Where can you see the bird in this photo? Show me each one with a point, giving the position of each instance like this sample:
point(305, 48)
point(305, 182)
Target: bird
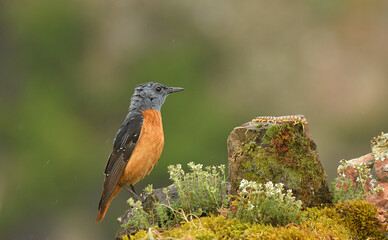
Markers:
point(138, 143)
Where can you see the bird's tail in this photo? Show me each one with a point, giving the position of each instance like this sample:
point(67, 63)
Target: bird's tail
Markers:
point(105, 202)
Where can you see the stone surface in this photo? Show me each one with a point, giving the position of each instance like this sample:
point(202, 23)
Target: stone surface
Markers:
point(377, 162)
point(381, 170)
point(380, 199)
point(281, 152)
point(350, 171)
point(378, 173)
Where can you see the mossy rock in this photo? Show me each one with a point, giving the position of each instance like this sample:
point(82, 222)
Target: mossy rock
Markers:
point(279, 152)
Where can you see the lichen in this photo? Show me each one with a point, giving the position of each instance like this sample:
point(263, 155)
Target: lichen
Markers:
point(380, 146)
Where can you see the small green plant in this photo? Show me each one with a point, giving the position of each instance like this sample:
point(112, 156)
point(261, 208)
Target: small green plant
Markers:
point(140, 219)
point(344, 189)
point(266, 203)
point(201, 192)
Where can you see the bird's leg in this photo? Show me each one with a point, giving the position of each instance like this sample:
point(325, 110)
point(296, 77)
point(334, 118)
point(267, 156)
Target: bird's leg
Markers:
point(132, 191)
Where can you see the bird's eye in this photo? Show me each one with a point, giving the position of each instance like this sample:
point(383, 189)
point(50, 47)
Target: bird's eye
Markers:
point(158, 89)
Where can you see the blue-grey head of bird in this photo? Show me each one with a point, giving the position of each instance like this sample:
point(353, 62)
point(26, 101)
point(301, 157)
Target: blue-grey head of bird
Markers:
point(150, 95)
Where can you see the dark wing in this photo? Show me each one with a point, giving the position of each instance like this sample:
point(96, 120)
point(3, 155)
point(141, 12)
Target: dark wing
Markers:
point(124, 143)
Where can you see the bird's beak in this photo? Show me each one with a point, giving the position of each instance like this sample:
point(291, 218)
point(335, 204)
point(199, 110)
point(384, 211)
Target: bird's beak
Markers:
point(174, 89)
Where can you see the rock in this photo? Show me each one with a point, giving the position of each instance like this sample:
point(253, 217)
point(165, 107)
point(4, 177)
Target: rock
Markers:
point(350, 170)
point(281, 152)
point(377, 163)
point(380, 199)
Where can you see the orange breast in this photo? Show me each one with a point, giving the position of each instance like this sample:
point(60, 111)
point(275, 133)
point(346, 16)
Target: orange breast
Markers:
point(148, 148)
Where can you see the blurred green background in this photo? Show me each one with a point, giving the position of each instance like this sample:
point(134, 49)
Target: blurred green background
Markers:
point(68, 69)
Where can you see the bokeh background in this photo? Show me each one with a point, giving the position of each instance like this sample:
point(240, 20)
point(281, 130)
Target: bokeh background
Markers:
point(68, 69)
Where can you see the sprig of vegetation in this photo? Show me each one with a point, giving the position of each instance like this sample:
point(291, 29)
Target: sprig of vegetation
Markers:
point(140, 218)
point(266, 203)
point(201, 192)
point(344, 189)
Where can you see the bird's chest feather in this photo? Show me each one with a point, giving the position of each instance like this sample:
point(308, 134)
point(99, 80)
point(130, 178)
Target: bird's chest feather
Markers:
point(148, 148)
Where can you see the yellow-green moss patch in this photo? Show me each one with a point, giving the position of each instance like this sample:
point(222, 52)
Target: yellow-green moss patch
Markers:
point(350, 220)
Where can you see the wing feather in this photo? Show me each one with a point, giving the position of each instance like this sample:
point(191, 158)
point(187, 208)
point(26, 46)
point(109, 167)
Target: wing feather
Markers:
point(124, 143)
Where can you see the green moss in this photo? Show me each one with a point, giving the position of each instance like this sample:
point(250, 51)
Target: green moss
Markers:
point(358, 218)
point(350, 220)
point(222, 228)
point(270, 133)
point(140, 235)
point(361, 218)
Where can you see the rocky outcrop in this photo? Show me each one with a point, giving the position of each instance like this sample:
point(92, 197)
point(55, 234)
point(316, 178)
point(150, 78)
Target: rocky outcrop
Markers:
point(281, 152)
point(377, 163)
